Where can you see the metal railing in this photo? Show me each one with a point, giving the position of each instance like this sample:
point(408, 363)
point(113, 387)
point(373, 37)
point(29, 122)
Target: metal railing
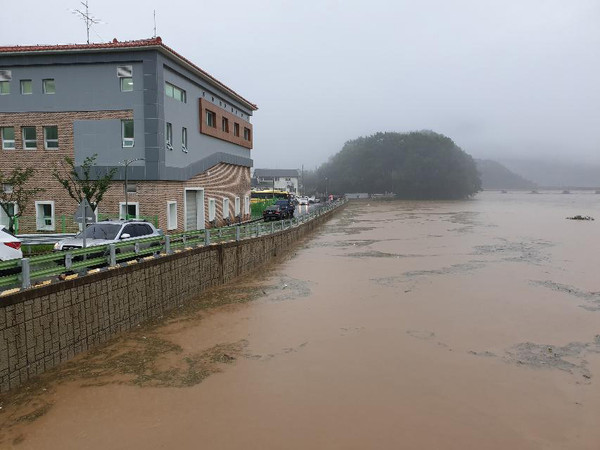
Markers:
point(50, 267)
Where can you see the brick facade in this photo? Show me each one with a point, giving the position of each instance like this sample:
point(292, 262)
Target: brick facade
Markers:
point(217, 130)
point(220, 181)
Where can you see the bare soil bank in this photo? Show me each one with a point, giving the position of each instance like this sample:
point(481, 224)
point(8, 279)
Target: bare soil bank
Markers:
point(418, 325)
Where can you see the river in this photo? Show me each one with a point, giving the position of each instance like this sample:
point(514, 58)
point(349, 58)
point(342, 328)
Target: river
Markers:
point(414, 325)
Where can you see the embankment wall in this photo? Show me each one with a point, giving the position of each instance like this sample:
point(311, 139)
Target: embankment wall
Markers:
point(43, 327)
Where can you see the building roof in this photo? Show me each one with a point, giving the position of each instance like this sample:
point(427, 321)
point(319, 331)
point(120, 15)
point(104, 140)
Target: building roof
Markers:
point(262, 173)
point(115, 46)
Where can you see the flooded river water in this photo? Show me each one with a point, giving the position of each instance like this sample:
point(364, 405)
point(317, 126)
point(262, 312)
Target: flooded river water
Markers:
point(398, 325)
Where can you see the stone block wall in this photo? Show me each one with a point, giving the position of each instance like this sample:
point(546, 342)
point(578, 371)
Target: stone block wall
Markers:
point(42, 327)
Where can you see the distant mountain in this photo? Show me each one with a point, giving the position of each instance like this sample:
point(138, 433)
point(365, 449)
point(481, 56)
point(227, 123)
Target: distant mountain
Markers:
point(556, 174)
point(495, 176)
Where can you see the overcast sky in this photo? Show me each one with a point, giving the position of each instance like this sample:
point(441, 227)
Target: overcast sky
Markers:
point(501, 78)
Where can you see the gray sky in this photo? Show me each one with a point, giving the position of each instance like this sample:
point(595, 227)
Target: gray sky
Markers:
point(501, 78)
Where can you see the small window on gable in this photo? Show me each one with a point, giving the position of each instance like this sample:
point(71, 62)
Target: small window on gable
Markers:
point(48, 86)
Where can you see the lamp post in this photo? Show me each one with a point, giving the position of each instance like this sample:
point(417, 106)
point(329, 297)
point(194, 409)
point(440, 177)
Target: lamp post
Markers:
point(326, 191)
point(126, 163)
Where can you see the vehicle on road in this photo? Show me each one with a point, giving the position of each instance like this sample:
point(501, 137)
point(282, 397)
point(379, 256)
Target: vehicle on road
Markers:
point(272, 212)
point(112, 232)
point(10, 248)
point(287, 208)
point(303, 200)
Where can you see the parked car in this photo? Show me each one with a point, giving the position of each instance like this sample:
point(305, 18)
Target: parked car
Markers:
point(287, 208)
point(112, 232)
point(272, 212)
point(303, 200)
point(10, 248)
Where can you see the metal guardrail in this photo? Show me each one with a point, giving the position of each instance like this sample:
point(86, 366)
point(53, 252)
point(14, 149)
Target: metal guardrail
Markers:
point(57, 266)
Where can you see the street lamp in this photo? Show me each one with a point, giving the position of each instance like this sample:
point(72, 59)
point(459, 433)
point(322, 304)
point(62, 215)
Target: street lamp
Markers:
point(326, 192)
point(126, 163)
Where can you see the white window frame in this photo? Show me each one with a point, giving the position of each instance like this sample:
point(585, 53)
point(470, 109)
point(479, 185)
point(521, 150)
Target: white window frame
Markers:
point(127, 142)
point(22, 84)
point(4, 217)
point(184, 139)
point(46, 140)
point(226, 212)
point(40, 222)
point(236, 207)
point(211, 119)
point(212, 209)
point(122, 211)
point(169, 136)
point(45, 84)
point(6, 142)
point(126, 84)
point(5, 83)
point(246, 205)
point(25, 141)
point(174, 92)
point(171, 219)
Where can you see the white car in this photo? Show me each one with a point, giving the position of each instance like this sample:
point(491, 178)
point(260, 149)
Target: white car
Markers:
point(303, 200)
point(10, 246)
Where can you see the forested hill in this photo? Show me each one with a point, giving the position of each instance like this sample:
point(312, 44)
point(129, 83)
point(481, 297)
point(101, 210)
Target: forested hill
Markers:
point(416, 165)
point(495, 176)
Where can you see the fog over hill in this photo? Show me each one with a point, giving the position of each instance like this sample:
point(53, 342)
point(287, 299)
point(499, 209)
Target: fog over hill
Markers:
point(495, 176)
point(555, 173)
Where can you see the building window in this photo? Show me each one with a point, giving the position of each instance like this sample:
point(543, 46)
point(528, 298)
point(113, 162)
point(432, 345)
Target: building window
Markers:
point(48, 86)
point(44, 215)
point(8, 138)
point(236, 129)
point(26, 87)
point(131, 188)
point(225, 125)
point(246, 205)
point(125, 75)
point(133, 209)
point(50, 138)
point(236, 207)
point(12, 210)
point(127, 133)
point(5, 77)
point(171, 215)
point(126, 84)
point(174, 92)
point(247, 133)
point(29, 138)
point(225, 208)
point(211, 119)
point(169, 136)
point(184, 139)
point(212, 209)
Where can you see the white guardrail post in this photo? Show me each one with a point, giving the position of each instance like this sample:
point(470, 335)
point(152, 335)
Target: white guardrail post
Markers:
point(206, 237)
point(168, 250)
point(112, 256)
point(237, 232)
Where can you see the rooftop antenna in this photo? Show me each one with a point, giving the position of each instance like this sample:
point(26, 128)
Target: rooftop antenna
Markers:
point(154, 23)
point(87, 18)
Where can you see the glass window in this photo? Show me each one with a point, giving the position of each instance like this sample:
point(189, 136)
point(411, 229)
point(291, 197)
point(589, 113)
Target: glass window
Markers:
point(247, 133)
point(8, 138)
point(26, 87)
point(127, 133)
point(126, 84)
point(171, 215)
point(48, 86)
point(225, 208)
point(212, 209)
point(225, 125)
point(44, 215)
point(169, 136)
point(237, 206)
point(236, 129)
point(29, 138)
point(175, 92)
point(169, 90)
point(12, 210)
point(132, 210)
point(184, 139)
point(246, 205)
point(4, 87)
point(50, 138)
point(211, 119)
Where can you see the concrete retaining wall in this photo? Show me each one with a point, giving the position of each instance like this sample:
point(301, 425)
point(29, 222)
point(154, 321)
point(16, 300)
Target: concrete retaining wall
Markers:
point(42, 327)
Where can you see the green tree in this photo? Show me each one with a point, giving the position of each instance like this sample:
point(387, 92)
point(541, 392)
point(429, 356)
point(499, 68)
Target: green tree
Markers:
point(15, 195)
point(81, 183)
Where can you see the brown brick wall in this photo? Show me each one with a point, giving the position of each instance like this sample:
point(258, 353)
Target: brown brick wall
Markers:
point(217, 130)
point(222, 180)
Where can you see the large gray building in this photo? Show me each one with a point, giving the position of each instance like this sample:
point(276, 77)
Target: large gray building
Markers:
point(189, 133)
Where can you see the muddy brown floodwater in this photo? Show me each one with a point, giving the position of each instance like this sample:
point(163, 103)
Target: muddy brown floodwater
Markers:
point(413, 325)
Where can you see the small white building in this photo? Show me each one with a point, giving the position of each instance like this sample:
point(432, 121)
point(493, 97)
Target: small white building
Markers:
point(284, 179)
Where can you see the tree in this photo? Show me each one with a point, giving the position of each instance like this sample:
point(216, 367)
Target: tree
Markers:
point(79, 182)
point(14, 195)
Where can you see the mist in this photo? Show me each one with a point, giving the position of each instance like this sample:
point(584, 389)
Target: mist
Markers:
point(504, 80)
